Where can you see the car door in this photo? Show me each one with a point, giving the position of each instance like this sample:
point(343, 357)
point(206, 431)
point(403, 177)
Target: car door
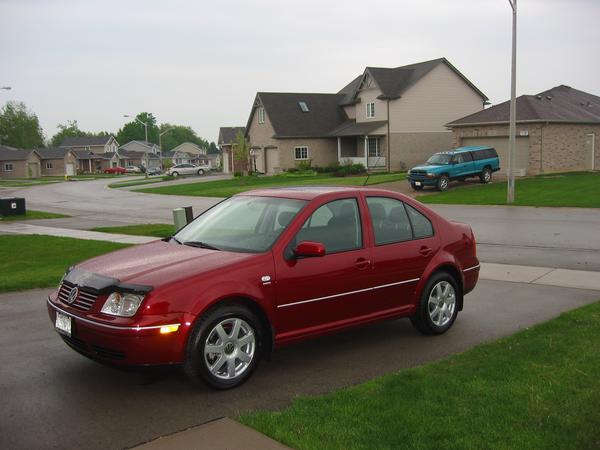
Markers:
point(322, 292)
point(462, 164)
point(404, 244)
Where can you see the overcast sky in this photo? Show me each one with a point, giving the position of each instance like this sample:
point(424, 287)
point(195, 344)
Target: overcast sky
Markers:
point(200, 63)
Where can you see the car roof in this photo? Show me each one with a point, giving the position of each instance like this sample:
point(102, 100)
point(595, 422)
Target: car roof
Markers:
point(469, 148)
point(308, 192)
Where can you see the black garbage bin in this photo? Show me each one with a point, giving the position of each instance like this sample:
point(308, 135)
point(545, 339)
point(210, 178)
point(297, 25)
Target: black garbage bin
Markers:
point(12, 206)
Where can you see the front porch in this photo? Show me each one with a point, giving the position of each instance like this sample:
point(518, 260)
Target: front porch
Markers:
point(365, 150)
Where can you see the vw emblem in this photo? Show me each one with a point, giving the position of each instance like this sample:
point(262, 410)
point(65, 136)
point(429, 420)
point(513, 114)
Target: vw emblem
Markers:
point(73, 295)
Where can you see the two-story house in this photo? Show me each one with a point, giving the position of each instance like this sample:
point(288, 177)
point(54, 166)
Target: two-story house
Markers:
point(385, 118)
point(94, 144)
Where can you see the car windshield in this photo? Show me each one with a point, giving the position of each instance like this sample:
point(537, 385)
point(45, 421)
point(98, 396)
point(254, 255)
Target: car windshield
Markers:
point(439, 158)
point(241, 224)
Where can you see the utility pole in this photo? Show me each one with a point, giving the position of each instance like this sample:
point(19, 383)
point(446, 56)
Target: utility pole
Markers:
point(512, 131)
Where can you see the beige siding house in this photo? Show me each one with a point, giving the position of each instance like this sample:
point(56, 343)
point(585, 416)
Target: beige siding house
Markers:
point(93, 144)
point(17, 163)
point(386, 118)
point(557, 131)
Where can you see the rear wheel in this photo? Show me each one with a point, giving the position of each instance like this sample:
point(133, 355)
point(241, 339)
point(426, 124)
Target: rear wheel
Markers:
point(438, 307)
point(175, 174)
point(200, 172)
point(224, 347)
point(442, 183)
point(486, 175)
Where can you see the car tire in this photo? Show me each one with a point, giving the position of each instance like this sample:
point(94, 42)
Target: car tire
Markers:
point(223, 369)
point(486, 175)
point(442, 183)
point(438, 305)
point(200, 172)
point(416, 188)
point(175, 174)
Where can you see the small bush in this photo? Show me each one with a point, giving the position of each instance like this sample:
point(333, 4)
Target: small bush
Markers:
point(304, 166)
point(237, 174)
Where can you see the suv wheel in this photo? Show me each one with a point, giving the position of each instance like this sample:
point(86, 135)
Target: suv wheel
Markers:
point(443, 182)
point(224, 348)
point(438, 307)
point(200, 172)
point(486, 175)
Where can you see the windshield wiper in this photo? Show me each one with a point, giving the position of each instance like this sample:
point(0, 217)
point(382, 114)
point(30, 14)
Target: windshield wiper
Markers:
point(176, 240)
point(200, 245)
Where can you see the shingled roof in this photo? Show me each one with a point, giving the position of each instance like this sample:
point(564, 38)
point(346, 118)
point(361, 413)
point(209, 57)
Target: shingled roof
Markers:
point(53, 152)
point(14, 154)
point(227, 134)
point(393, 82)
point(559, 104)
point(289, 120)
point(85, 141)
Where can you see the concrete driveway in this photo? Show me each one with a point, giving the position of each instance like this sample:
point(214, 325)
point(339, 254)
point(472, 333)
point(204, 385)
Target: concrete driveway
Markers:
point(55, 398)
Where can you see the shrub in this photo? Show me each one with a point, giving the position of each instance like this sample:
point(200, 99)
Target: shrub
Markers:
point(304, 166)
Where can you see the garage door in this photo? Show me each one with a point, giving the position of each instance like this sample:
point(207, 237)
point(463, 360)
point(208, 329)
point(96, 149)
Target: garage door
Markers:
point(272, 161)
point(501, 146)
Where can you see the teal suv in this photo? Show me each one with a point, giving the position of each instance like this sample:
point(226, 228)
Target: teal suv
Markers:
point(457, 164)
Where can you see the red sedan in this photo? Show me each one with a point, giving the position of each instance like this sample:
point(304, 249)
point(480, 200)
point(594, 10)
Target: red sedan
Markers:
point(263, 269)
point(116, 169)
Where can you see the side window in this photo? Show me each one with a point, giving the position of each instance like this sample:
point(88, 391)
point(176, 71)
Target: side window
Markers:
point(421, 225)
point(389, 219)
point(336, 225)
point(467, 156)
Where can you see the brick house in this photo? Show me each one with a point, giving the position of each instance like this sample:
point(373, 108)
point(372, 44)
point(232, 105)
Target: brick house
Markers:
point(57, 161)
point(226, 141)
point(557, 131)
point(385, 118)
point(18, 163)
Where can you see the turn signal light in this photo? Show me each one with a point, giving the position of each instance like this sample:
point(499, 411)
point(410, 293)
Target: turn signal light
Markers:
point(169, 329)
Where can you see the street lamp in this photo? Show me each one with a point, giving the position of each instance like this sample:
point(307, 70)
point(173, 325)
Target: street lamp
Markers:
point(512, 129)
point(143, 123)
point(160, 145)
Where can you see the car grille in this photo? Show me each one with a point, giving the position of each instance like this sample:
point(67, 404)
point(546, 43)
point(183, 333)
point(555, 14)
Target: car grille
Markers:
point(94, 351)
point(85, 298)
point(418, 175)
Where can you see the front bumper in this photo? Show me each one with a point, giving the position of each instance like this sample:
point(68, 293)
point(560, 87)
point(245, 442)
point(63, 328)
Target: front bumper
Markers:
point(423, 181)
point(123, 345)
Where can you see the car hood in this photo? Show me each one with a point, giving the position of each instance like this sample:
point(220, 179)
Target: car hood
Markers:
point(159, 263)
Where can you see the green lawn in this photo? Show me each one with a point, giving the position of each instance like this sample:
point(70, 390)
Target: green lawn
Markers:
point(120, 184)
point(31, 215)
point(539, 389)
point(580, 189)
point(227, 188)
point(24, 182)
point(152, 229)
point(36, 261)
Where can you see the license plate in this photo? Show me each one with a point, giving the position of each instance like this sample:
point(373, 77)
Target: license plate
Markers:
point(63, 323)
point(417, 183)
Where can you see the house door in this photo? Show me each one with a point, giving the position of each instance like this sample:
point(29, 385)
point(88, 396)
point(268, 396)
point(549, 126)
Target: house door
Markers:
point(69, 169)
point(271, 160)
point(33, 170)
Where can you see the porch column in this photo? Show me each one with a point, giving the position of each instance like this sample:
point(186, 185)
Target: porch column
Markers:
point(339, 149)
point(367, 152)
point(90, 164)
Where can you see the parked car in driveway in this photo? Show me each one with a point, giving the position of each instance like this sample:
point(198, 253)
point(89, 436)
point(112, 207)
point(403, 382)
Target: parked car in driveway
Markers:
point(458, 164)
point(263, 269)
point(133, 169)
point(187, 169)
point(154, 171)
point(117, 169)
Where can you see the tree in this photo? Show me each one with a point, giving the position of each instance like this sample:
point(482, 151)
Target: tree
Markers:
point(19, 127)
point(178, 134)
point(213, 149)
point(69, 129)
point(135, 131)
point(241, 153)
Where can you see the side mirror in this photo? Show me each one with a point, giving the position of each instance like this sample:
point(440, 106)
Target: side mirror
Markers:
point(309, 249)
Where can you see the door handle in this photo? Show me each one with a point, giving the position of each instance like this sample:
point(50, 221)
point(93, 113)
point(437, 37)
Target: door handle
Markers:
point(362, 263)
point(425, 251)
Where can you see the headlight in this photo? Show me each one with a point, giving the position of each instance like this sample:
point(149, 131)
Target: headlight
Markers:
point(430, 175)
point(123, 305)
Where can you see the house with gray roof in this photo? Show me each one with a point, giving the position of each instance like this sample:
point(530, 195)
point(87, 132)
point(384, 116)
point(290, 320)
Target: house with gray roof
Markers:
point(225, 142)
point(57, 161)
point(93, 144)
point(19, 163)
point(385, 118)
point(557, 130)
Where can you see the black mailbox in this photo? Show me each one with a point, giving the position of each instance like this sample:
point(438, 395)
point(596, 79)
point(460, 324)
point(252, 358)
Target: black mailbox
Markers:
point(12, 206)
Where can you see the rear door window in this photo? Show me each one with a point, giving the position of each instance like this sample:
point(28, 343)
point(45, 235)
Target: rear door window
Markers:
point(420, 224)
point(389, 219)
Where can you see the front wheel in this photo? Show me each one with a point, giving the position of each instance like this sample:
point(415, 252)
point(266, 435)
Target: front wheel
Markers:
point(438, 307)
point(175, 174)
point(224, 348)
point(200, 172)
point(443, 182)
point(486, 175)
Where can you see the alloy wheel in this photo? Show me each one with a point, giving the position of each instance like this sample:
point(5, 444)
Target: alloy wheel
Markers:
point(229, 348)
point(441, 303)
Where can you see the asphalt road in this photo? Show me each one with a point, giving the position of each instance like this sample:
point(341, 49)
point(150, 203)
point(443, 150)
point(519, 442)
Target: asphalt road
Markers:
point(54, 398)
point(558, 237)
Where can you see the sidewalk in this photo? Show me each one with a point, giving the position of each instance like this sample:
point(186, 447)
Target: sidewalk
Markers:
point(220, 434)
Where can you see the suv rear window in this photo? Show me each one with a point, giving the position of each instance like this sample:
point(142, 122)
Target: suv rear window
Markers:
point(486, 153)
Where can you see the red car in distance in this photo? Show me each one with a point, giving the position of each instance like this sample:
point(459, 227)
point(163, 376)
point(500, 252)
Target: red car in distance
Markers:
point(116, 169)
point(267, 268)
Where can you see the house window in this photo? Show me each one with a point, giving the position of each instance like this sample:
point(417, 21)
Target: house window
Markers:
point(370, 110)
point(301, 152)
point(261, 115)
point(303, 106)
point(8, 167)
point(49, 165)
point(373, 146)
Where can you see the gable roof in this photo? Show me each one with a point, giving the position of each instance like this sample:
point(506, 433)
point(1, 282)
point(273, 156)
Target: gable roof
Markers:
point(84, 141)
point(393, 82)
point(227, 134)
point(14, 154)
point(149, 145)
point(559, 104)
point(53, 152)
point(197, 147)
point(288, 119)
point(86, 154)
